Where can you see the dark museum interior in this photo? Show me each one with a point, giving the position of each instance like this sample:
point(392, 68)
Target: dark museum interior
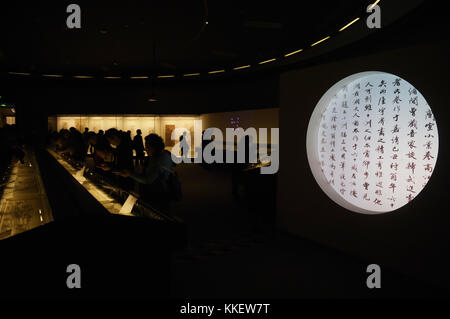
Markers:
point(112, 185)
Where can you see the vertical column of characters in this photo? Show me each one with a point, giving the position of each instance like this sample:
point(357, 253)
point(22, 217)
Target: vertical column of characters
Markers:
point(323, 141)
point(411, 155)
point(355, 121)
point(332, 156)
point(343, 136)
point(328, 144)
point(395, 141)
point(430, 143)
point(325, 144)
point(379, 147)
point(367, 119)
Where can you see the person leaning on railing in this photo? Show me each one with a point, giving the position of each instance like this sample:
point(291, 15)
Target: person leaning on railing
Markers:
point(156, 173)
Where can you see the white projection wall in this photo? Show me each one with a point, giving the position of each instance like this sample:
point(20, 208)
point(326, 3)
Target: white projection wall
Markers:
point(372, 142)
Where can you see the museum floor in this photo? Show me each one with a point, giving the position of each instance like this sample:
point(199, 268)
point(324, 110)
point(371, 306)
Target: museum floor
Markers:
point(227, 259)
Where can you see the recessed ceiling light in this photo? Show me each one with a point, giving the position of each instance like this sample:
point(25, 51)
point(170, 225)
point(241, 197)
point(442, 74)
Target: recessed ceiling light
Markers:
point(374, 4)
point(267, 61)
point(191, 74)
point(242, 67)
point(19, 73)
point(52, 75)
point(326, 38)
point(292, 53)
point(216, 71)
point(347, 25)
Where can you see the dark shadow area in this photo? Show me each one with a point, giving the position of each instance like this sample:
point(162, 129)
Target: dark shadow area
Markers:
point(234, 253)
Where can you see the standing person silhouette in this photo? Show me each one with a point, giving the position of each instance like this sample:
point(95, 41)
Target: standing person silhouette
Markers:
point(121, 145)
point(184, 145)
point(138, 146)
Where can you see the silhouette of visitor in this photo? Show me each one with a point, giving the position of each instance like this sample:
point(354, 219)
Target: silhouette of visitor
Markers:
point(138, 146)
point(184, 145)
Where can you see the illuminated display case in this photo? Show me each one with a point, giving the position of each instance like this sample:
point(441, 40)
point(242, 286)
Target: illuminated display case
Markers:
point(112, 197)
point(23, 199)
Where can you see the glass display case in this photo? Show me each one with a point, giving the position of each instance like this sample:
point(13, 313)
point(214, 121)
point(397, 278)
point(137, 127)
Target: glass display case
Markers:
point(114, 198)
point(23, 199)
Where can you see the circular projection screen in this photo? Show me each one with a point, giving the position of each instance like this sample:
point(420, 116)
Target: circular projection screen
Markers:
point(372, 142)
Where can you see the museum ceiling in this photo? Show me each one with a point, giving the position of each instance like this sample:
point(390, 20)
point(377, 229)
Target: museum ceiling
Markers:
point(153, 39)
